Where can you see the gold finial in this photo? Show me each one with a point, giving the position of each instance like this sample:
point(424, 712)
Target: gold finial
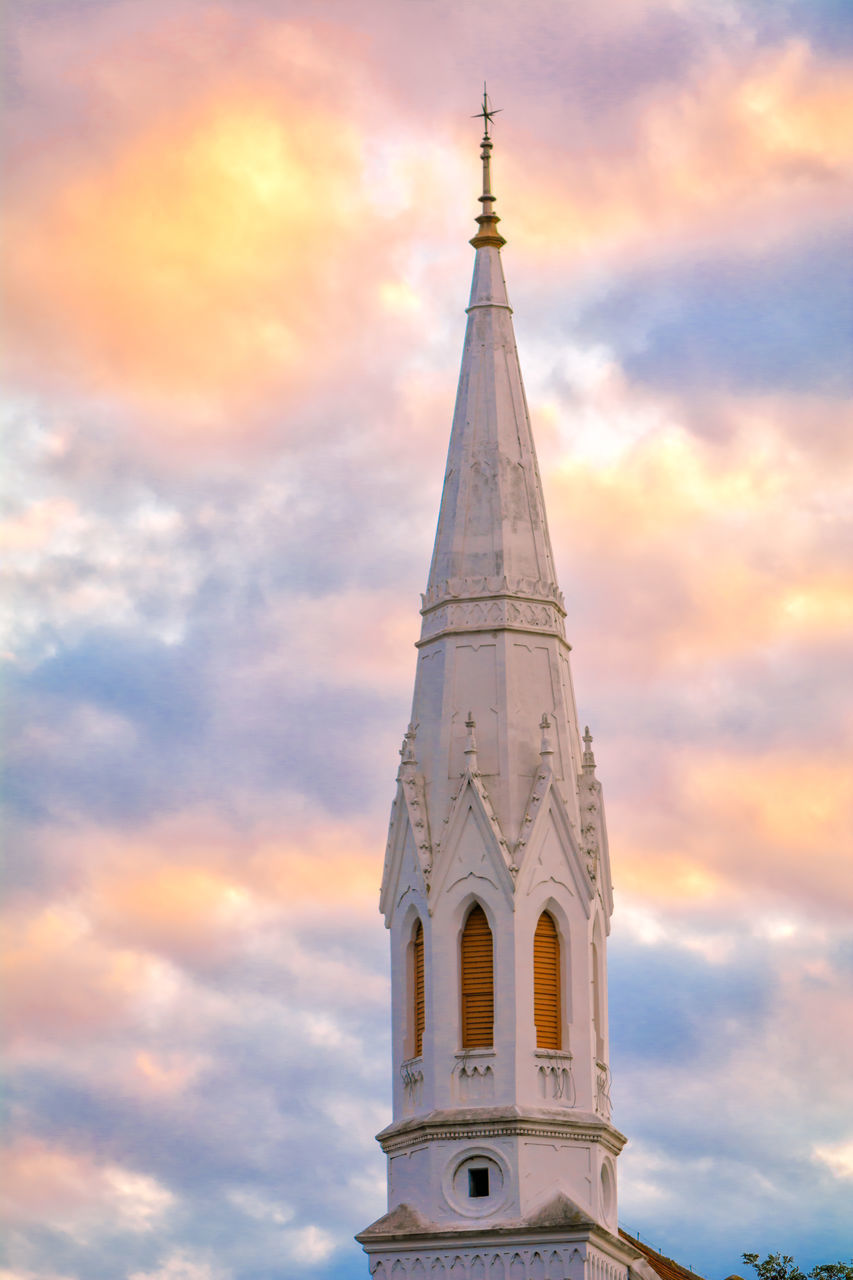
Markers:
point(488, 219)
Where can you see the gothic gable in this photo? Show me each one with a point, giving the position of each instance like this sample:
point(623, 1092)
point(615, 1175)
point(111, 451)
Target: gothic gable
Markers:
point(473, 846)
point(404, 860)
point(551, 854)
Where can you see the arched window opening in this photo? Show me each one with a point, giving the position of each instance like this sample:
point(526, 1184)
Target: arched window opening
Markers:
point(418, 1003)
point(547, 1005)
point(598, 994)
point(477, 982)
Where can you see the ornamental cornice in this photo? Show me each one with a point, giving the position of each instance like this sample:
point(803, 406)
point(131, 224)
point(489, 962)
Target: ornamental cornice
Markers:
point(443, 1128)
point(489, 613)
point(485, 588)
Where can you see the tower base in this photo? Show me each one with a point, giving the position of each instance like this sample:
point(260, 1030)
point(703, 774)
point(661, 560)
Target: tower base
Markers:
point(559, 1243)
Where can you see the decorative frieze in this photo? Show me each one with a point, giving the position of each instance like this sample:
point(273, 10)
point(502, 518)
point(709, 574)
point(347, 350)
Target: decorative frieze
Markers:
point(551, 1261)
point(511, 1263)
point(492, 614)
point(484, 588)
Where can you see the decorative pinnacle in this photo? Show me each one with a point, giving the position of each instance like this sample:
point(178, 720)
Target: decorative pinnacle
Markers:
point(407, 751)
point(547, 747)
point(588, 757)
point(488, 235)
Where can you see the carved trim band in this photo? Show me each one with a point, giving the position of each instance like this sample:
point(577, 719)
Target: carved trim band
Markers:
point(491, 614)
point(487, 587)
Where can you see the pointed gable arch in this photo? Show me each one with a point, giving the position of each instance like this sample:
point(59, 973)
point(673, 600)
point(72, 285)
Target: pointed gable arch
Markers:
point(404, 868)
point(473, 847)
point(476, 981)
point(550, 856)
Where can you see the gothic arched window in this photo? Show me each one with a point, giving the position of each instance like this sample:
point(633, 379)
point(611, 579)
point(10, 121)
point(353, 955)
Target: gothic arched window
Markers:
point(477, 982)
point(598, 1011)
point(417, 1003)
point(547, 1005)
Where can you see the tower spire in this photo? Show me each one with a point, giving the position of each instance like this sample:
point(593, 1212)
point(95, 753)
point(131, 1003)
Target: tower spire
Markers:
point(488, 219)
point(496, 887)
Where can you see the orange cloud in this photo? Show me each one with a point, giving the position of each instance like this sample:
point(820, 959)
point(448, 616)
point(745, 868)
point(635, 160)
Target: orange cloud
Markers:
point(713, 157)
point(73, 1192)
point(168, 1073)
point(61, 981)
point(183, 910)
point(723, 823)
point(713, 550)
point(201, 261)
point(35, 528)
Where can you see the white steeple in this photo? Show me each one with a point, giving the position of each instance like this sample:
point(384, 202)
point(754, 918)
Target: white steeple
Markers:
point(496, 888)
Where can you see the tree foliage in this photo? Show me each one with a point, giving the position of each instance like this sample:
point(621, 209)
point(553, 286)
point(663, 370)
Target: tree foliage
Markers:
point(777, 1266)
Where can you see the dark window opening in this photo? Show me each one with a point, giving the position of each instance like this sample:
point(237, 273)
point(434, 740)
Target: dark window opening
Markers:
point(478, 1183)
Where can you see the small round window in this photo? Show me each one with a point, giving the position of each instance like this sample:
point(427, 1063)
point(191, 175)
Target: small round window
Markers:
point(475, 1186)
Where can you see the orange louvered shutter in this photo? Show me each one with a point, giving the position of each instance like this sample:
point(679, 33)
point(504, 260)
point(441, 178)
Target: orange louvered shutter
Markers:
point(419, 1005)
point(478, 1002)
point(546, 984)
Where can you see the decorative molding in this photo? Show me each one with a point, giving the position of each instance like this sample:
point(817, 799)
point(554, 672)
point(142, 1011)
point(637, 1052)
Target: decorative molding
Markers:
point(487, 587)
point(491, 614)
point(567, 1127)
point(589, 795)
point(556, 1080)
point(473, 1076)
point(602, 1089)
point(414, 791)
point(538, 791)
point(550, 1260)
point(589, 789)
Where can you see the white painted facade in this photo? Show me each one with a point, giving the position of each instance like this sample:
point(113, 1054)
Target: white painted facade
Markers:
point(497, 804)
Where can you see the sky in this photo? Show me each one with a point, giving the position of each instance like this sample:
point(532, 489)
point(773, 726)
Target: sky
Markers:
point(236, 268)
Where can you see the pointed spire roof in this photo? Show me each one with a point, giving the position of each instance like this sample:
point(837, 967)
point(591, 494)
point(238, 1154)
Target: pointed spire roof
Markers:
point(492, 540)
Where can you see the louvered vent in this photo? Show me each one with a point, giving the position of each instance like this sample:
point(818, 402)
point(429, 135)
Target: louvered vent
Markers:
point(419, 1005)
point(546, 984)
point(478, 1002)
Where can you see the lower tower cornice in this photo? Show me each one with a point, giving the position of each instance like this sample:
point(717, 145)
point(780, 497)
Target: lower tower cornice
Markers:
point(469, 1124)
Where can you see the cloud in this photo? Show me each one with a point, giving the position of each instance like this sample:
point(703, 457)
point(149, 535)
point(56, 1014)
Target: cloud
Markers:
point(99, 987)
point(742, 150)
point(777, 320)
point(668, 1005)
point(77, 1194)
point(177, 272)
point(838, 1157)
point(183, 1266)
point(237, 277)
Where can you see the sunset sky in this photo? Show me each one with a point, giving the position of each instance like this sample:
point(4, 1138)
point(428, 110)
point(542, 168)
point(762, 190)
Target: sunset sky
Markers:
point(235, 279)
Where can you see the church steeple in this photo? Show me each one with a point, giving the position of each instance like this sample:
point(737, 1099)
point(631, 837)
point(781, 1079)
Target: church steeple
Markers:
point(496, 887)
point(492, 540)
